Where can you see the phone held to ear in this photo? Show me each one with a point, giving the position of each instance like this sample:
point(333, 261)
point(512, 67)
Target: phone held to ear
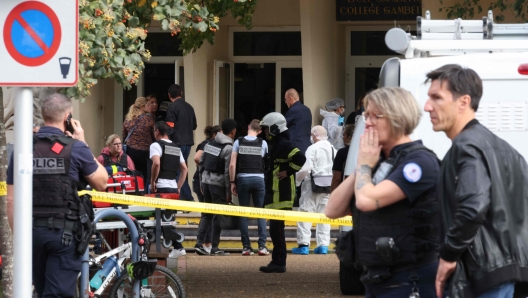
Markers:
point(69, 126)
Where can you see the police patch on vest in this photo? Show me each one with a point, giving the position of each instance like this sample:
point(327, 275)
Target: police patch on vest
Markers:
point(412, 172)
point(172, 150)
point(43, 165)
point(249, 150)
point(212, 150)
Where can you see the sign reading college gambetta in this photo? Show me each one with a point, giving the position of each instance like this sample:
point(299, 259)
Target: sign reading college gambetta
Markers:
point(378, 10)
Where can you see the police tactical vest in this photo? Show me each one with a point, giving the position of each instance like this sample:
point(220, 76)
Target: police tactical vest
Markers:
point(250, 159)
point(54, 192)
point(413, 227)
point(213, 163)
point(170, 160)
point(121, 165)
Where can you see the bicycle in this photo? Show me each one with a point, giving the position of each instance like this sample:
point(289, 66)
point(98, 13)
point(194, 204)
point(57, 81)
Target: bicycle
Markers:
point(152, 280)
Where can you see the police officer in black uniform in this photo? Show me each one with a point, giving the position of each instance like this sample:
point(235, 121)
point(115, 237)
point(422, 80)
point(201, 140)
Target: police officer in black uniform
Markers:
point(393, 199)
point(62, 165)
point(215, 177)
point(246, 173)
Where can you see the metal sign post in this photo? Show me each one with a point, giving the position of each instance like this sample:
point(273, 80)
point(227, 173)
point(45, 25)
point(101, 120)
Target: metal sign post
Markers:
point(39, 46)
point(23, 179)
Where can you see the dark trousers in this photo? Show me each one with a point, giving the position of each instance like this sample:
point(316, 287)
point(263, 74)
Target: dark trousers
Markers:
point(248, 187)
point(55, 266)
point(217, 195)
point(276, 230)
point(185, 190)
point(140, 159)
point(176, 244)
point(400, 286)
point(204, 233)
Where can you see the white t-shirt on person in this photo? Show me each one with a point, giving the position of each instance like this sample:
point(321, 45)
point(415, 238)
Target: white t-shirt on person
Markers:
point(155, 149)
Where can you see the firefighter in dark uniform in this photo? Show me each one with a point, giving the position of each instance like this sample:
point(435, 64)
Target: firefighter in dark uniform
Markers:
point(393, 199)
point(62, 165)
point(285, 161)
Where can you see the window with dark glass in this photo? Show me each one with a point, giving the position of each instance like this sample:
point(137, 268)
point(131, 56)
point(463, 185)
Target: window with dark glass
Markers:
point(370, 43)
point(267, 43)
point(163, 44)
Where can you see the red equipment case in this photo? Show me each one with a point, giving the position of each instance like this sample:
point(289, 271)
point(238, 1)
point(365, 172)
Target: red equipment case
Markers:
point(170, 196)
point(132, 183)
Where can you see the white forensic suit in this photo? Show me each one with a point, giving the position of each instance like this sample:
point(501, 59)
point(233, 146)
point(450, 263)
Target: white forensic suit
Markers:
point(319, 161)
point(333, 129)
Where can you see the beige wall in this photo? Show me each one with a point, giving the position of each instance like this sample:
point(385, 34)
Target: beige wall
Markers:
point(199, 70)
point(96, 114)
point(323, 49)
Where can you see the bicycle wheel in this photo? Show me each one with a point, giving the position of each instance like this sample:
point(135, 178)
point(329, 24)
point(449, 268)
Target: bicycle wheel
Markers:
point(163, 283)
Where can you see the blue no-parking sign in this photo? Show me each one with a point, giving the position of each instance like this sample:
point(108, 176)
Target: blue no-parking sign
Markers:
point(39, 43)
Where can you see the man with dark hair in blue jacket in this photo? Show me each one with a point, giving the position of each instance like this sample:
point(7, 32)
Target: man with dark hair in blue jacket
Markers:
point(298, 120)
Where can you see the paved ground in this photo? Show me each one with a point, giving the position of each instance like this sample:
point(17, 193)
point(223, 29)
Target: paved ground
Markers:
point(238, 276)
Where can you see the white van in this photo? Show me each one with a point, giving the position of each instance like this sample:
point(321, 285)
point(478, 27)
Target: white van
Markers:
point(500, 57)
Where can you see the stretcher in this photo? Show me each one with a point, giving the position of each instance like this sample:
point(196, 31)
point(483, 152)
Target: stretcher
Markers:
point(125, 183)
point(159, 223)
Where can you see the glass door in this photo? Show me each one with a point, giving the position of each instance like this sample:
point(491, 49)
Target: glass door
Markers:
point(223, 91)
point(288, 75)
point(362, 77)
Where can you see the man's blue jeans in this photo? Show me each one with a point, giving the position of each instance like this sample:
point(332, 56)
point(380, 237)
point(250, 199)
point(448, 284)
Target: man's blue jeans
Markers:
point(504, 290)
point(185, 190)
point(247, 187)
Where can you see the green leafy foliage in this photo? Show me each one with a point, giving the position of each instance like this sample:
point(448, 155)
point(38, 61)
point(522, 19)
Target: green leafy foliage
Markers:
point(112, 34)
point(468, 9)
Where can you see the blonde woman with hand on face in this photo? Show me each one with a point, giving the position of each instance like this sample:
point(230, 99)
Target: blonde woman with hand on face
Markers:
point(392, 196)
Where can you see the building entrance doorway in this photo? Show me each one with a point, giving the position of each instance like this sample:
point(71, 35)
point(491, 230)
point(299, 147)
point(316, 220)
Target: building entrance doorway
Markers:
point(363, 77)
point(156, 79)
point(257, 89)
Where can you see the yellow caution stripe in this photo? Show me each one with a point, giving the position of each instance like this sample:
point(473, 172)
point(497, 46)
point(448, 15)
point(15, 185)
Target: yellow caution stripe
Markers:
point(216, 208)
point(3, 188)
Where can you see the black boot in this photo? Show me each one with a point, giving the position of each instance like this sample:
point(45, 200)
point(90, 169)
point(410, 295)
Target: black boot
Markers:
point(271, 268)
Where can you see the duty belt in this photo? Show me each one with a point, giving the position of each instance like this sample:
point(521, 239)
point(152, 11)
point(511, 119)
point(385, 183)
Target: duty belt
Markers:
point(69, 226)
point(50, 222)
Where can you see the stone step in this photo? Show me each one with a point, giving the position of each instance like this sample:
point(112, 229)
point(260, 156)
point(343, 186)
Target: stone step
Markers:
point(192, 230)
point(193, 218)
point(234, 243)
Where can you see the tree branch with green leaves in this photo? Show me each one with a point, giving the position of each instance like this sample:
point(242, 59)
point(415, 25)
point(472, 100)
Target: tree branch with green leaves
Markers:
point(467, 9)
point(112, 34)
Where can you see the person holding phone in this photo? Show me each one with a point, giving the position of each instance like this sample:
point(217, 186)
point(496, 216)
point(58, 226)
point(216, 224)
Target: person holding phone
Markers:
point(62, 165)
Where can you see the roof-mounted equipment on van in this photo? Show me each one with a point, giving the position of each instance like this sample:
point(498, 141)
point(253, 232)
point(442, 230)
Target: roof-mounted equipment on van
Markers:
point(459, 37)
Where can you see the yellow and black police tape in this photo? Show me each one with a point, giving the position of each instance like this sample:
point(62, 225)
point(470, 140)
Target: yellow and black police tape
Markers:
point(208, 208)
point(216, 208)
point(3, 188)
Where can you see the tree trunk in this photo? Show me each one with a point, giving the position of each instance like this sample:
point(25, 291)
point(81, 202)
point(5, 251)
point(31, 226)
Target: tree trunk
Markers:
point(6, 235)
